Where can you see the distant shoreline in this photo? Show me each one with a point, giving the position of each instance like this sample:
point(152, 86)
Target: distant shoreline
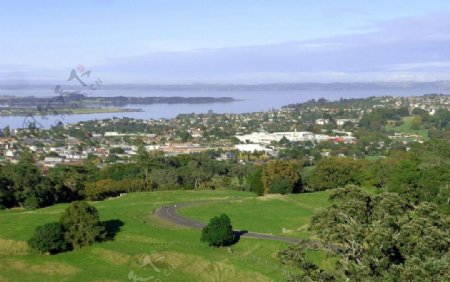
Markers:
point(441, 86)
point(80, 111)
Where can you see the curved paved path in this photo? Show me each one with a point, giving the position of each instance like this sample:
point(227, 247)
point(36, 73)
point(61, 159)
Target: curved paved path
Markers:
point(169, 213)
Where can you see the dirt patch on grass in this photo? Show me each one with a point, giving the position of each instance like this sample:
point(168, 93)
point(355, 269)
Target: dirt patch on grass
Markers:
point(49, 268)
point(13, 247)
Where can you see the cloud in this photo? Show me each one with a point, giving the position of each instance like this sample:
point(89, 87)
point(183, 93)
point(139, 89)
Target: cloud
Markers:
point(22, 74)
point(402, 49)
point(396, 49)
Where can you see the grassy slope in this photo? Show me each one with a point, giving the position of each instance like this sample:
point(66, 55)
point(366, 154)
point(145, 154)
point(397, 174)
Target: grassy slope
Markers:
point(176, 252)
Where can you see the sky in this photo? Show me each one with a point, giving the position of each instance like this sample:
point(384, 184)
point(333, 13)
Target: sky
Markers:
point(215, 41)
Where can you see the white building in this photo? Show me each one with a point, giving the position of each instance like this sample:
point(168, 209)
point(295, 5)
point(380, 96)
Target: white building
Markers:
point(251, 148)
point(111, 134)
point(267, 138)
point(321, 121)
point(342, 121)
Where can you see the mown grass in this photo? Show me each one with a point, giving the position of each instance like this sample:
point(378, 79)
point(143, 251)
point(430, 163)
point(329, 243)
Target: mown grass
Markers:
point(407, 128)
point(176, 254)
point(273, 214)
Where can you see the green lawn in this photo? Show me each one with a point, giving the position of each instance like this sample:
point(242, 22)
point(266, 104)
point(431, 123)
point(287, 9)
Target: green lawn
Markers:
point(406, 128)
point(145, 247)
point(275, 214)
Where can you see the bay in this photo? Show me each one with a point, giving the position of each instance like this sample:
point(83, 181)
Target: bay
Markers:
point(246, 101)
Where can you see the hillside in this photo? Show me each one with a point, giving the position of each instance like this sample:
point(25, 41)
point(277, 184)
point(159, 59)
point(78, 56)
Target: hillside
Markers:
point(176, 253)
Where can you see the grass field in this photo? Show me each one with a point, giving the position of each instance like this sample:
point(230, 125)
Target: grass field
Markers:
point(147, 248)
point(406, 128)
point(275, 214)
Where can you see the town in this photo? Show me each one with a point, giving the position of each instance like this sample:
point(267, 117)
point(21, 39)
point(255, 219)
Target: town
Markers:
point(313, 124)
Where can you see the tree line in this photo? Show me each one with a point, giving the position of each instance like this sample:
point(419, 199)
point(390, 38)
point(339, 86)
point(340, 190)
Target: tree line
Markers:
point(420, 174)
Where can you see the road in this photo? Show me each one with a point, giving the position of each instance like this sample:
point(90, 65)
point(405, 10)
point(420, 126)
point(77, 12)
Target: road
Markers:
point(169, 213)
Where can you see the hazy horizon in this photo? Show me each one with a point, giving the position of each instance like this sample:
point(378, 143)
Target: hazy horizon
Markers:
point(233, 42)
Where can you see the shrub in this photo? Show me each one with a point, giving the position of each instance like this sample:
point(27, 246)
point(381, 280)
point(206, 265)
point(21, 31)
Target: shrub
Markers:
point(281, 185)
point(219, 232)
point(49, 238)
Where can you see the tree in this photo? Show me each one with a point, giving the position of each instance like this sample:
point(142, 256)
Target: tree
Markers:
point(26, 177)
point(383, 237)
point(165, 179)
point(82, 224)
point(284, 141)
point(116, 150)
point(286, 170)
point(143, 161)
point(67, 182)
point(281, 185)
point(255, 182)
point(331, 173)
point(185, 136)
point(7, 131)
point(219, 232)
point(296, 256)
point(6, 192)
point(49, 238)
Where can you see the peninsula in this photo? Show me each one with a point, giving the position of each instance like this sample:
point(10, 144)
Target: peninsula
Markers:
point(75, 103)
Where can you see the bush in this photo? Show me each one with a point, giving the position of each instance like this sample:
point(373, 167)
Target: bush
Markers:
point(49, 238)
point(32, 202)
point(82, 224)
point(281, 185)
point(219, 232)
point(254, 181)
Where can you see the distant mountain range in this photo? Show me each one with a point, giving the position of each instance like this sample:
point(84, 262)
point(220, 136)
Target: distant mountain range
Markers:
point(437, 85)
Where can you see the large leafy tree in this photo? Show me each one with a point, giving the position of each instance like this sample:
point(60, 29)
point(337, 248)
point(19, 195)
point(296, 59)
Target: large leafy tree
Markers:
point(335, 172)
point(384, 237)
point(283, 176)
point(82, 224)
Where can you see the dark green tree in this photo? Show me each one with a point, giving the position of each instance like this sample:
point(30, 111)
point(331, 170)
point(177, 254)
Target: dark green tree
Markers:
point(82, 224)
point(383, 237)
point(7, 199)
point(219, 232)
point(27, 187)
point(335, 172)
point(254, 180)
point(49, 238)
point(281, 185)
